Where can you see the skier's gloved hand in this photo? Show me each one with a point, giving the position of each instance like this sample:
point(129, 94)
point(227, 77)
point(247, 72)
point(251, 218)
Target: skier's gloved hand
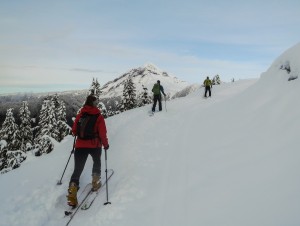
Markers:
point(106, 148)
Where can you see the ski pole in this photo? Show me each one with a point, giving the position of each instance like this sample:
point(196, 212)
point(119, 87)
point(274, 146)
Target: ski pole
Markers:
point(166, 103)
point(59, 182)
point(107, 202)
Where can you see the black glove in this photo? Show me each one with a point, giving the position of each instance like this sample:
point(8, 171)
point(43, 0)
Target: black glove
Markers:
point(106, 148)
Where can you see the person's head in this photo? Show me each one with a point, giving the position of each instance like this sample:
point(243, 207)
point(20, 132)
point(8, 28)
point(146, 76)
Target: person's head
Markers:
point(158, 81)
point(207, 77)
point(91, 100)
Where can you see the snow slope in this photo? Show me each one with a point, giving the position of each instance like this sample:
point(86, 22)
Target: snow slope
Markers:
point(229, 160)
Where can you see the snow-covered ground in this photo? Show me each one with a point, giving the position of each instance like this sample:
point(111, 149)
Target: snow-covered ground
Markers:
point(229, 160)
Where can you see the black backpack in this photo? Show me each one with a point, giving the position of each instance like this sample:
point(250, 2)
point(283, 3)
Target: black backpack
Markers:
point(86, 125)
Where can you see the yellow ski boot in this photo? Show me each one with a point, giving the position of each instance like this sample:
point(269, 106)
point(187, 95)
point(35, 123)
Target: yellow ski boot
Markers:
point(72, 195)
point(96, 183)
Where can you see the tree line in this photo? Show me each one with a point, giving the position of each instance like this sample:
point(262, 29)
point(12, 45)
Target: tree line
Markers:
point(16, 140)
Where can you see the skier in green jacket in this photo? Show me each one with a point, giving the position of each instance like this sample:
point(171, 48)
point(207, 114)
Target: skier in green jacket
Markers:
point(157, 90)
point(208, 85)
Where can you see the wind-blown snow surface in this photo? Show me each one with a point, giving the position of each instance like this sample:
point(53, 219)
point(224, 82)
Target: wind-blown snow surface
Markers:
point(229, 160)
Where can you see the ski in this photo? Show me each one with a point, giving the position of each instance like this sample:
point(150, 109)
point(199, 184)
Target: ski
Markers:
point(91, 198)
point(83, 197)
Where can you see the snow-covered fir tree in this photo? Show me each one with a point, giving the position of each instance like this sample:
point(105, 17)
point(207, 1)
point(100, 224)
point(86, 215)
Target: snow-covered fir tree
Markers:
point(3, 155)
point(60, 114)
point(10, 131)
point(112, 107)
point(47, 120)
point(216, 80)
point(47, 128)
point(110, 111)
point(119, 107)
point(129, 95)
point(103, 109)
point(10, 160)
point(95, 88)
point(96, 91)
point(10, 143)
point(25, 127)
point(144, 98)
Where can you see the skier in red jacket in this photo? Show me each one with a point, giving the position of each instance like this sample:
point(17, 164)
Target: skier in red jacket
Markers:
point(85, 147)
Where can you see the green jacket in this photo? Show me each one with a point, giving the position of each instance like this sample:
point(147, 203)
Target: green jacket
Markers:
point(157, 88)
point(207, 82)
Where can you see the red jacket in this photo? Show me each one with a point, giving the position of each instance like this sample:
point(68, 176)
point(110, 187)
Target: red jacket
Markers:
point(100, 128)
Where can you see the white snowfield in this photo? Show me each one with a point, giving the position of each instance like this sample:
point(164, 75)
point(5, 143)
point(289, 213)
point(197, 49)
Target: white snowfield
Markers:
point(229, 160)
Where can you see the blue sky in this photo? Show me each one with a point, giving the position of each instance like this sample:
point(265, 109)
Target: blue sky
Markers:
point(62, 44)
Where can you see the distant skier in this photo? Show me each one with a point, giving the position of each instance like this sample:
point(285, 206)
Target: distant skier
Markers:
point(208, 85)
point(90, 129)
point(157, 90)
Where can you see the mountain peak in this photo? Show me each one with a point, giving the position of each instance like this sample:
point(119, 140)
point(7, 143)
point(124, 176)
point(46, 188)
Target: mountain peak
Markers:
point(144, 76)
point(151, 67)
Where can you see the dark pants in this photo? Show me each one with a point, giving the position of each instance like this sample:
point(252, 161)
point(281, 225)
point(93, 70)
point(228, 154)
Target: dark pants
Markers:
point(207, 88)
point(80, 157)
point(155, 99)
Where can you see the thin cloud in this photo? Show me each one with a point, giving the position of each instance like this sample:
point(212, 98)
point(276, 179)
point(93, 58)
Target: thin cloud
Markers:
point(84, 70)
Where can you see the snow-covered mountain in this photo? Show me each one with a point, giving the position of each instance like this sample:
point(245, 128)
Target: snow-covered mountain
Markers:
point(145, 76)
point(232, 159)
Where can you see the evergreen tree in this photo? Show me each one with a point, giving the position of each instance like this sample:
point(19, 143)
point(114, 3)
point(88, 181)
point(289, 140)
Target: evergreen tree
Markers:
point(63, 128)
point(120, 107)
point(47, 128)
point(102, 107)
point(10, 131)
point(95, 88)
point(113, 108)
point(47, 120)
point(10, 144)
point(10, 160)
point(3, 155)
point(25, 127)
point(213, 81)
point(110, 111)
point(45, 145)
point(60, 115)
point(129, 96)
point(216, 80)
point(144, 98)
